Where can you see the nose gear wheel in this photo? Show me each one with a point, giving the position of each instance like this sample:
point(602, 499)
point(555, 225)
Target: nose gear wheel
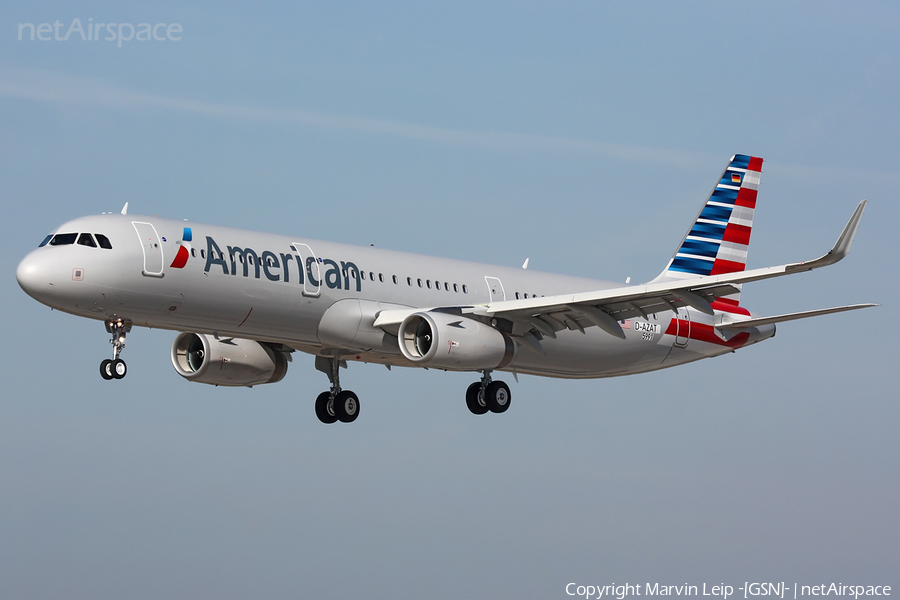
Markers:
point(115, 368)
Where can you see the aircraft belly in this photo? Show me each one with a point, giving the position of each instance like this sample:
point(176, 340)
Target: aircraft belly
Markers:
point(592, 354)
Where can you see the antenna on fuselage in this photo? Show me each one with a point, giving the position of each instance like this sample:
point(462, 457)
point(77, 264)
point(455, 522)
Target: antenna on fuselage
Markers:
point(525, 264)
point(125, 209)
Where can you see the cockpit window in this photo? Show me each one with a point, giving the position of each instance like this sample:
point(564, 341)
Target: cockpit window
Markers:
point(63, 239)
point(44, 243)
point(103, 241)
point(85, 239)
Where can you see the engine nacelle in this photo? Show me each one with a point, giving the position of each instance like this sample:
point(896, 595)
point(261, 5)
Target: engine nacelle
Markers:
point(228, 361)
point(446, 341)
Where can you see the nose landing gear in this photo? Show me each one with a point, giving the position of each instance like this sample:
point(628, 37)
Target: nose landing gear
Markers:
point(115, 368)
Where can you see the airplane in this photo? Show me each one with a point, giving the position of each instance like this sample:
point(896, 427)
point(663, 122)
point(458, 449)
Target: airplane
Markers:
point(244, 301)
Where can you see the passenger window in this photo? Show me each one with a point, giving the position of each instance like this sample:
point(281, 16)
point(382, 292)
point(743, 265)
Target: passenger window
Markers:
point(428, 283)
point(465, 289)
point(517, 295)
point(395, 280)
point(381, 277)
point(446, 287)
point(420, 282)
point(46, 239)
point(455, 288)
point(362, 275)
point(409, 281)
point(194, 252)
point(63, 239)
point(202, 253)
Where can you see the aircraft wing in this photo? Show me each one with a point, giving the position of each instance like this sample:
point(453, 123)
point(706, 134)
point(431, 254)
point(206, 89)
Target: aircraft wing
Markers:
point(605, 308)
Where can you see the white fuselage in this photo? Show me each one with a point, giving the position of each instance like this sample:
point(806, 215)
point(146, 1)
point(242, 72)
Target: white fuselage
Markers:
point(322, 297)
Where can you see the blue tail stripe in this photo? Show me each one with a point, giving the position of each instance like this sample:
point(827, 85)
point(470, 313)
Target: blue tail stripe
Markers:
point(716, 213)
point(724, 196)
point(741, 161)
point(708, 230)
point(691, 265)
point(710, 249)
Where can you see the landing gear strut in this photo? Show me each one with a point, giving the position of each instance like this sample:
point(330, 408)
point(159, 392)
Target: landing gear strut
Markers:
point(115, 368)
point(336, 404)
point(487, 395)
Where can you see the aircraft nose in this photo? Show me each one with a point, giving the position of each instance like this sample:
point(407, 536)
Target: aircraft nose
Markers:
point(34, 275)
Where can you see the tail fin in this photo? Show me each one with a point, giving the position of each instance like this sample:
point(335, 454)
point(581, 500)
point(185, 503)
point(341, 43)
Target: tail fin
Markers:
point(718, 240)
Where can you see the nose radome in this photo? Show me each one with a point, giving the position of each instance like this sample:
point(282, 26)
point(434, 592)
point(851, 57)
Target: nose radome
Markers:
point(33, 275)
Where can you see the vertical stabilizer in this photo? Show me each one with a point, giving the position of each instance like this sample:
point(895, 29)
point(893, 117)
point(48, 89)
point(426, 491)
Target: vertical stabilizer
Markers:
point(719, 238)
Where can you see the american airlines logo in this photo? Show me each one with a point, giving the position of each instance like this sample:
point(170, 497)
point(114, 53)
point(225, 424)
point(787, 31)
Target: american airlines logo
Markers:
point(276, 266)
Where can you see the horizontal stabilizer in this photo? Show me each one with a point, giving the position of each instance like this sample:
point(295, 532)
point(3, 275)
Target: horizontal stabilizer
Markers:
point(733, 325)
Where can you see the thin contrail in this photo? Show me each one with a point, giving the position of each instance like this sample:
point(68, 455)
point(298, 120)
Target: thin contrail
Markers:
point(63, 89)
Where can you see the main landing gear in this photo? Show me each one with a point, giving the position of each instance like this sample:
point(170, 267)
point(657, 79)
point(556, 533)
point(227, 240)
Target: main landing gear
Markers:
point(115, 368)
point(336, 404)
point(486, 395)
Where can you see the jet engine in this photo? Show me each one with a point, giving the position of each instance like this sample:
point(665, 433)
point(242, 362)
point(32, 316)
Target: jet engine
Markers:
point(227, 361)
point(446, 341)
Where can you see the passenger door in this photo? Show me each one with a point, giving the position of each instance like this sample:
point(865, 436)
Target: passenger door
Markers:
point(496, 289)
point(312, 270)
point(151, 247)
point(683, 327)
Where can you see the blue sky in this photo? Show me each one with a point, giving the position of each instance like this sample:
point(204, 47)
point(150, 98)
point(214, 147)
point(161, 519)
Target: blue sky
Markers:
point(584, 136)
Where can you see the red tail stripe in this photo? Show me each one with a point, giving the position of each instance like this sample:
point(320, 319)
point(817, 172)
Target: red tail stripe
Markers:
point(726, 266)
point(736, 234)
point(746, 197)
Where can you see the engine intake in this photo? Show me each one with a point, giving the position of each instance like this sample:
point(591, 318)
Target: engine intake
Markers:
point(447, 341)
point(230, 361)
